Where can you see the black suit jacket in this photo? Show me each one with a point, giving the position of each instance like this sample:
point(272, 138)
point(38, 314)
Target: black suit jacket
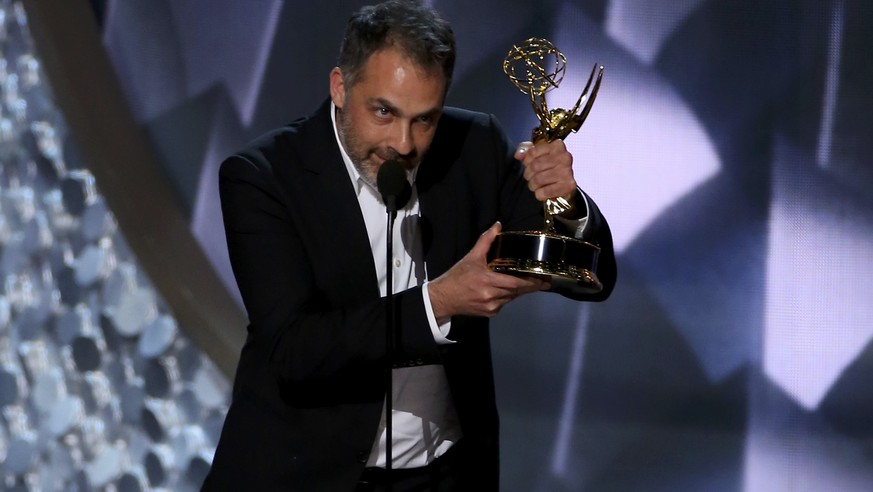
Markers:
point(309, 387)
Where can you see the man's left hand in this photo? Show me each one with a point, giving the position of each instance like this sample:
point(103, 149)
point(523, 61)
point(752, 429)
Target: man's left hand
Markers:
point(548, 169)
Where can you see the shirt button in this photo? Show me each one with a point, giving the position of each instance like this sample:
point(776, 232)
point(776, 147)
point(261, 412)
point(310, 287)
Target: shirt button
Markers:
point(396, 263)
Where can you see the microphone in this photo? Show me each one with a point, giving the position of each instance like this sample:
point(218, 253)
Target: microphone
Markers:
point(393, 186)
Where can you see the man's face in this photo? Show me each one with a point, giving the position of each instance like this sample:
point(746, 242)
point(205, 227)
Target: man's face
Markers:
point(391, 112)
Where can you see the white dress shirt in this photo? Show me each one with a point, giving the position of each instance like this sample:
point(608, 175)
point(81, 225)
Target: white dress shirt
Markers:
point(424, 422)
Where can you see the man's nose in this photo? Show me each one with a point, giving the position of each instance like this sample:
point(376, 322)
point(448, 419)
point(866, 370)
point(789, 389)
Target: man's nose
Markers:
point(403, 141)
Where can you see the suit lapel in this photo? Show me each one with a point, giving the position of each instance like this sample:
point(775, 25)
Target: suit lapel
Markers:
point(333, 211)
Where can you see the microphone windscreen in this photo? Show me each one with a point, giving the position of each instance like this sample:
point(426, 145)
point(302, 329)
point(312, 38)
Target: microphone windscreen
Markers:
point(393, 185)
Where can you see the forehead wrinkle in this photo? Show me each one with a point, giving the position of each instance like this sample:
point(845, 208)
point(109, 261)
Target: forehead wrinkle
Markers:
point(392, 80)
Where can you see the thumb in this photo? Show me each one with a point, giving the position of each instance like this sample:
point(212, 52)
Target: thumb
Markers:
point(522, 149)
point(483, 244)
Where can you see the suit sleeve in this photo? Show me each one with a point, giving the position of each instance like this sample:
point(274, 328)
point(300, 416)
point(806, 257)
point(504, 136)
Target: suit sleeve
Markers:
point(306, 340)
point(597, 232)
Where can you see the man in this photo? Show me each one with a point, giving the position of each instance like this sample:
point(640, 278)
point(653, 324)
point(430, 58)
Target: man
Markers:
point(306, 233)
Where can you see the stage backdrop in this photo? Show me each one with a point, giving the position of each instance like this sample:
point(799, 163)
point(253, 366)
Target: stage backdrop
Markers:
point(729, 148)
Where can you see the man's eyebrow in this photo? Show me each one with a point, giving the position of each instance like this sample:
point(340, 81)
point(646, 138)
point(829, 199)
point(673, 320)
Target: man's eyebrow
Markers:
point(390, 107)
point(386, 104)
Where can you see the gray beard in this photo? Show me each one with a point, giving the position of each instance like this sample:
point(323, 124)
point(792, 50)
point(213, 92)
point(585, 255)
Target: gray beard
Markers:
point(366, 174)
point(365, 171)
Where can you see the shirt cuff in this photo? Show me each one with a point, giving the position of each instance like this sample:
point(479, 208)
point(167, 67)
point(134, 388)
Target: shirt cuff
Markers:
point(577, 225)
point(440, 330)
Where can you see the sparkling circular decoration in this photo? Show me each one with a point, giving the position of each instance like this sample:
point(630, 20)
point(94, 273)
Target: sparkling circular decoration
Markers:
point(535, 67)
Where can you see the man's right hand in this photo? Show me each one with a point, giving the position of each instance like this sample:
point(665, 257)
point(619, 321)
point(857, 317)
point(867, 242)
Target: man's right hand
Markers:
point(471, 288)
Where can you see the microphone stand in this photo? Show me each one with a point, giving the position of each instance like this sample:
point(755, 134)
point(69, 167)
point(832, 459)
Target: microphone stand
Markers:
point(396, 191)
point(389, 336)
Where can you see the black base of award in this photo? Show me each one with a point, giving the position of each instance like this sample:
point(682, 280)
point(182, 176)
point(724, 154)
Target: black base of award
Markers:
point(569, 263)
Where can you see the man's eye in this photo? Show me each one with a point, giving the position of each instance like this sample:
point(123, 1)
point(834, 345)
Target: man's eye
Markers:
point(425, 119)
point(383, 112)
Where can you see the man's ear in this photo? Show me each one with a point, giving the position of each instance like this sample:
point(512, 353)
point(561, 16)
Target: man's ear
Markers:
point(337, 87)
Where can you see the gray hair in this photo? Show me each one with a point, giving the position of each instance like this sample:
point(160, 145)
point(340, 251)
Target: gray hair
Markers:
point(418, 31)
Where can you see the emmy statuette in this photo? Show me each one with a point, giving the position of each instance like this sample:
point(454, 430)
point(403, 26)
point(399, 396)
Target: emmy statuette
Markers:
point(535, 67)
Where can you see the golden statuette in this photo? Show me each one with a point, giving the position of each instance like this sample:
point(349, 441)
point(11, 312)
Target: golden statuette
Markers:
point(535, 67)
